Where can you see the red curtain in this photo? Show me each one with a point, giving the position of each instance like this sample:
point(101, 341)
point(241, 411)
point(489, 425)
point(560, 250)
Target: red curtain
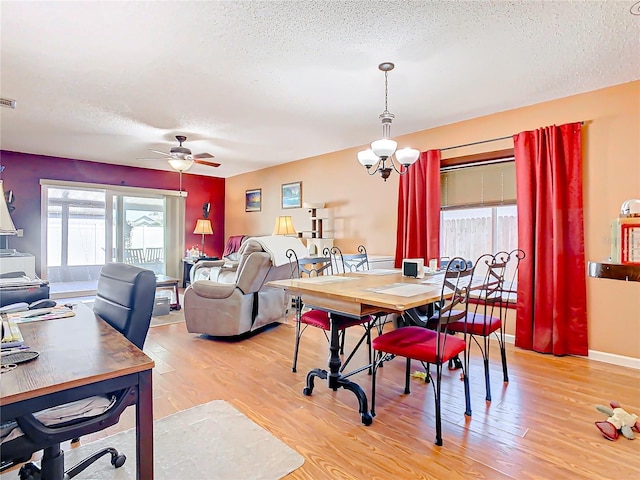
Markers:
point(418, 232)
point(552, 306)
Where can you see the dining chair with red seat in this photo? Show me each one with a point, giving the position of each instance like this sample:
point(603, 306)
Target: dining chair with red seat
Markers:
point(429, 346)
point(310, 317)
point(488, 304)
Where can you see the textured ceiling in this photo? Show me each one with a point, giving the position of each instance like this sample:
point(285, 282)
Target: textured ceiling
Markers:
point(257, 83)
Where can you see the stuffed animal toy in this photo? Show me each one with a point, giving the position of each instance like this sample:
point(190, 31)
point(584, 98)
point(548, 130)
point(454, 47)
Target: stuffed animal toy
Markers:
point(619, 421)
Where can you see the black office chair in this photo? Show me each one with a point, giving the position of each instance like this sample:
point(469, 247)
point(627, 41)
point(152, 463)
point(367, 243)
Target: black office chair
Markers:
point(124, 299)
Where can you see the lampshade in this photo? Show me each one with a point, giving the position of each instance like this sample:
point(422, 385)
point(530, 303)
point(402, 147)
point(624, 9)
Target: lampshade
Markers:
point(407, 156)
point(384, 147)
point(203, 226)
point(180, 164)
point(367, 158)
point(284, 226)
point(6, 224)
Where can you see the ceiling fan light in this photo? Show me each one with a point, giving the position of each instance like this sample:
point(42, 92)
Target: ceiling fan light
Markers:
point(407, 156)
point(367, 158)
point(384, 147)
point(180, 164)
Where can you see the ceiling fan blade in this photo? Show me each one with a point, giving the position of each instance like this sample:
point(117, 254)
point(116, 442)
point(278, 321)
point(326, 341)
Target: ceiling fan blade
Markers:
point(203, 155)
point(154, 159)
point(160, 153)
point(203, 162)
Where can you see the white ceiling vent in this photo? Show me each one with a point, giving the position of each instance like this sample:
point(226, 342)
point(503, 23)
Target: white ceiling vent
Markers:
point(7, 102)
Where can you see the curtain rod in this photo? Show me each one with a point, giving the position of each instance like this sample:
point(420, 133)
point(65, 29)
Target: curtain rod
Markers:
point(483, 141)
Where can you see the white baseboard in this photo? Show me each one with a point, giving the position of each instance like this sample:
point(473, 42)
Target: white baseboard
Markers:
point(605, 357)
point(615, 359)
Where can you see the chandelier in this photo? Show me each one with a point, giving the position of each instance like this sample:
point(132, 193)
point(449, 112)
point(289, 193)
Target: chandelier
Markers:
point(381, 152)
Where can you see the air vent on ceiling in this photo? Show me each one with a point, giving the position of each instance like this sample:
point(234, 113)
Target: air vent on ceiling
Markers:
point(7, 102)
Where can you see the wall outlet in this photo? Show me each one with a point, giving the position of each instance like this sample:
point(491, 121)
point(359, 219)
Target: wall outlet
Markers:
point(20, 232)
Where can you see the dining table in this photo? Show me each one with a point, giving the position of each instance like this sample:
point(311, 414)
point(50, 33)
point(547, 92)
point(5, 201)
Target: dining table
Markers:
point(358, 294)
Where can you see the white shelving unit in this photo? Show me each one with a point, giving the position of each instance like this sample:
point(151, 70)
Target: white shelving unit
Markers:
point(315, 241)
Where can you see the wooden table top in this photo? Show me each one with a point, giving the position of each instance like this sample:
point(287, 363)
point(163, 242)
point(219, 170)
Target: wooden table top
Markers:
point(74, 351)
point(361, 293)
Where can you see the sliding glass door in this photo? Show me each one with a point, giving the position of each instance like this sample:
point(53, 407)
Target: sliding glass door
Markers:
point(86, 227)
point(75, 235)
point(139, 233)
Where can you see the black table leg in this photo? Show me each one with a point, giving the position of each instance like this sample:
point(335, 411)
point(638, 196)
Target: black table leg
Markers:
point(334, 378)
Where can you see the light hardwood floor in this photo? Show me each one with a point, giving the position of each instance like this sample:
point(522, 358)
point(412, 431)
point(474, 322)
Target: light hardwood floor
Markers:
point(539, 426)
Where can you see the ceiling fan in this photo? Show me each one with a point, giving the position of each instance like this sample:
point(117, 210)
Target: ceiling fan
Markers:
point(181, 158)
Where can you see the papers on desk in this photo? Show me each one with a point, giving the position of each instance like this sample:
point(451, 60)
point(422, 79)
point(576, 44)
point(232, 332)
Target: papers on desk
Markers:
point(42, 314)
point(377, 271)
point(402, 289)
point(325, 279)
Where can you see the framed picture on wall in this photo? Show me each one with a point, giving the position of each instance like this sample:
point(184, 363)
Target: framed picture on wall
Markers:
point(292, 195)
point(253, 200)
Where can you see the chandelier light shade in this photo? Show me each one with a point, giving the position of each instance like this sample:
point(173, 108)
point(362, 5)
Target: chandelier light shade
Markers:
point(203, 227)
point(284, 226)
point(379, 158)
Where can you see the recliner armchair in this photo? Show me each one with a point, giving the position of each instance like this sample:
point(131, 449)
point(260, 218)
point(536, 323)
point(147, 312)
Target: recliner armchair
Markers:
point(240, 301)
point(124, 299)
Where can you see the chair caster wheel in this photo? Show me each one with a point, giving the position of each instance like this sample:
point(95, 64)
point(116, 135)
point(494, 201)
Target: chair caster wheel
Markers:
point(306, 391)
point(118, 460)
point(367, 419)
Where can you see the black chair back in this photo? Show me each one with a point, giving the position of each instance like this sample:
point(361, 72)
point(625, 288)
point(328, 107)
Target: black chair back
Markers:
point(125, 299)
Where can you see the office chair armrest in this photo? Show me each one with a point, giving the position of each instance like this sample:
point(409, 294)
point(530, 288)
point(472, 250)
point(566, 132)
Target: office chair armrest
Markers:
point(39, 433)
point(209, 289)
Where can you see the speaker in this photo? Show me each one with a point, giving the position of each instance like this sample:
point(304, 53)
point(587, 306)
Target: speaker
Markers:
point(413, 267)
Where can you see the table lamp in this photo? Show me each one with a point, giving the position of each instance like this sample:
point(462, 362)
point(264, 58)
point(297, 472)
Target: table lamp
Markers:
point(284, 226)
point(203, 227)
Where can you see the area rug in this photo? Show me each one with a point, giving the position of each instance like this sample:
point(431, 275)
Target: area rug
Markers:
point(213, 441)
point(175, 316)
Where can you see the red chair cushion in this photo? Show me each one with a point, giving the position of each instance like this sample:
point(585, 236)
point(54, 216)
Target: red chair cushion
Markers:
point(320, 319)
point(419, 343)
point(476, 324)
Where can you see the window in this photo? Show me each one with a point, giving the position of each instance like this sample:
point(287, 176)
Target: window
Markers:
point(471, 232)
point(478, 209)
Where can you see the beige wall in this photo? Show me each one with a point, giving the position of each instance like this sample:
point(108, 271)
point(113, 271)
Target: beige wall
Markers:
point(362, 209)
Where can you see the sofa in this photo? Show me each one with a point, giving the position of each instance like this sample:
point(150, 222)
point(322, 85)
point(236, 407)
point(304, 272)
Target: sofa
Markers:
point(235, 300)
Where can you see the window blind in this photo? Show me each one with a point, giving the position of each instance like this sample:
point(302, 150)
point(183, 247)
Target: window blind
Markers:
point(485, 184)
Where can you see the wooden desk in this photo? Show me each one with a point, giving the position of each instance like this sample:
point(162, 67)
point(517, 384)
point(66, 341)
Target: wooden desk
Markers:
point(81, 356)
point(355, 294)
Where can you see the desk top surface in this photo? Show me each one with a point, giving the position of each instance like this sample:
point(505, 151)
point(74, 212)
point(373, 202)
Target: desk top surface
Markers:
point(74, 351)
point(354, 292)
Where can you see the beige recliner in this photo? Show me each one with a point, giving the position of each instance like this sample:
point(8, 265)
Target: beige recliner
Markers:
point(234, 302)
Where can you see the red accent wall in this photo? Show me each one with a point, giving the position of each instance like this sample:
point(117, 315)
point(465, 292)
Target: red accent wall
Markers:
point(23, 172)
